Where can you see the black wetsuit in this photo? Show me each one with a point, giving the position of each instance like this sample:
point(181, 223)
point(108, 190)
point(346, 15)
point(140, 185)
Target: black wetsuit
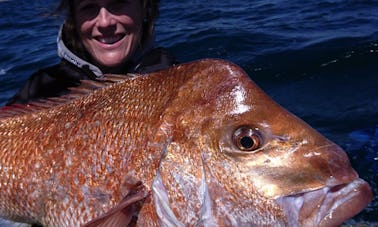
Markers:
point(55, 80)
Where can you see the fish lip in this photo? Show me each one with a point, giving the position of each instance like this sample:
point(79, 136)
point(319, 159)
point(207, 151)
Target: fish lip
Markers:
point(328, 206)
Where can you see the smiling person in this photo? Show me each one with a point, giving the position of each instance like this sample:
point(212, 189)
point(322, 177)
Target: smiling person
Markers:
point(99, 37)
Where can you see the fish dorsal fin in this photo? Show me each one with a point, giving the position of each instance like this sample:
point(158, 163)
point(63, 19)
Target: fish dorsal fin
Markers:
point(86, 87)
point(123, 213)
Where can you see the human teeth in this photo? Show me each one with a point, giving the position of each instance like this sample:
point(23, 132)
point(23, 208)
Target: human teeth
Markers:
point(110, 39)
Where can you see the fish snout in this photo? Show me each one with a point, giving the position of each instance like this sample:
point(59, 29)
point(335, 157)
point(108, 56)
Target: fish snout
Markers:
point(332, 164)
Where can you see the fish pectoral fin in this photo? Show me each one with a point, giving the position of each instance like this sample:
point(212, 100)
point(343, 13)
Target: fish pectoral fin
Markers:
point(123, 213)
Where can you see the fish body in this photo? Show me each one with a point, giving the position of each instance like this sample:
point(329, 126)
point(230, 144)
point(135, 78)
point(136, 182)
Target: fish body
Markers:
point(198, 144)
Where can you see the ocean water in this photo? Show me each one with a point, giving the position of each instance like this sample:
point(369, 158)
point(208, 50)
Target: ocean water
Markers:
point(318, 59)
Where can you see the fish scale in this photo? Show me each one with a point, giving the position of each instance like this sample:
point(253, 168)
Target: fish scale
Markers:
point(159, 149)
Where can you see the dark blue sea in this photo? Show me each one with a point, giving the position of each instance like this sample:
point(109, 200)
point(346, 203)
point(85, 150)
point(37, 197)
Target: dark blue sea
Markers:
point(319, 59)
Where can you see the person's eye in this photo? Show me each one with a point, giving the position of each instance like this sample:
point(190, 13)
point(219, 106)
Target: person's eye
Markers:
point(87, 7)
point(88, 10)
point(120, 5)
point(124, 1)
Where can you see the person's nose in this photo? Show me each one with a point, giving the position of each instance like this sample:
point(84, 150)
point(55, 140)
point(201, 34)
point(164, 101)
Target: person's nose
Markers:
point(105, 18)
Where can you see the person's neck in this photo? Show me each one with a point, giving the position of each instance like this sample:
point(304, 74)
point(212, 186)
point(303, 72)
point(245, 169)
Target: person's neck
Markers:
point(119, 69)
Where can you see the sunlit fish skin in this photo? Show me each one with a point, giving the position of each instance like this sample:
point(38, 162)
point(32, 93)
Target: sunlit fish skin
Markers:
point(198, 144)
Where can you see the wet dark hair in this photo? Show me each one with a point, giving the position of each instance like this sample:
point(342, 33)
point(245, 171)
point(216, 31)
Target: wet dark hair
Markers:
point(71, 37)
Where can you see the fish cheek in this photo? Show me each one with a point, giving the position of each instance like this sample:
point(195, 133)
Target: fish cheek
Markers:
point(232, 188)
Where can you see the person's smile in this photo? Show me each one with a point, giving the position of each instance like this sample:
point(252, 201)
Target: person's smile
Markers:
point(110, 40)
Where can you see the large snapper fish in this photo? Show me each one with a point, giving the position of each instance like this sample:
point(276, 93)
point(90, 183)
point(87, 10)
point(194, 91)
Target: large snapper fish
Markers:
point(198, 144)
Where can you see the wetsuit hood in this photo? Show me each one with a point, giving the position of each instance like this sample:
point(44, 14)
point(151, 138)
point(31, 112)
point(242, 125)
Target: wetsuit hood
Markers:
point(65, 53)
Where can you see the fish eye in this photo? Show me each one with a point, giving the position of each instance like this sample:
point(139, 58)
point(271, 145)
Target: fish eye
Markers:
point(247, 138)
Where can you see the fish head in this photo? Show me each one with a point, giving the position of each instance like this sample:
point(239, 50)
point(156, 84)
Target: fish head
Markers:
point(236, 157)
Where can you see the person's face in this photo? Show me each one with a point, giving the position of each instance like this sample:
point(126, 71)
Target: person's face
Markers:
point(110, 30)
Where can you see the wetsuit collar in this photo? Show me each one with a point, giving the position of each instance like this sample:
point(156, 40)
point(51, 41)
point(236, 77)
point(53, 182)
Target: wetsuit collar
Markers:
point(65, 53)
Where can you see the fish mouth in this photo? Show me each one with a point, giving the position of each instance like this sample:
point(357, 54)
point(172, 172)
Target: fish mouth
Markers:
point(109, 40)
point(328, 206)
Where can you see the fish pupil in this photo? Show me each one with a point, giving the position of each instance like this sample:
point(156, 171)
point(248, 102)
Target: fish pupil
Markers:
point(246, 142)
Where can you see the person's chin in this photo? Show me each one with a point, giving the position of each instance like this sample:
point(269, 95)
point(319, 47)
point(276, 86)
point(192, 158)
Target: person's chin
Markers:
point(111, 58)
point(111, 63)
